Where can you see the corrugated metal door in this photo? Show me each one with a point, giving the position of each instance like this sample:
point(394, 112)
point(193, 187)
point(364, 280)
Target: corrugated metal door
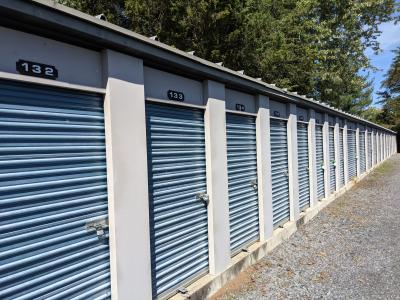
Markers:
point(52, 184)
point(303, 166)
point(280, 172)
point(370, 150)
point(332, 162)
point(352, 164)
point(320, 162)
point(177, 179)
point(341, 158)
point(242, 180)
point(362, 152)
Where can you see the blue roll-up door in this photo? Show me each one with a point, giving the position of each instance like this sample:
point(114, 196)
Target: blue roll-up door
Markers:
point(341, 158)
point(242, 180)
point(362, 152)
point(351, 146)
point(332, 162)
point(279, 172)
point(319, 162)
point(53, 187)
point(370, 159)
point(303, 165)
point(177, 181)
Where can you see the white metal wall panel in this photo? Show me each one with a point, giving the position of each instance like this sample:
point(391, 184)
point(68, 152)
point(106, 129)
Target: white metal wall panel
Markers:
point(370, 159)
point(351, 142)
point(341, 158)
point(53, 183)
point(279, 172)
point(242, 180)
point(177, 178)
point(303, 165)
point(332, 162)
point(362, 152)
point(319, 161)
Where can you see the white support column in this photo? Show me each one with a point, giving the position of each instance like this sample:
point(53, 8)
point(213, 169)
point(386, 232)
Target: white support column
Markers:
point(378, 151)
point(293, 163)
point(128, 200)
point(337, 154)
point(325, 134)
point(346, 153)
point(367, 166)
point(358, 157)
point(373, 148)
point(264, 168)
point(217, 176)
point(384, 145)
point(312, 153)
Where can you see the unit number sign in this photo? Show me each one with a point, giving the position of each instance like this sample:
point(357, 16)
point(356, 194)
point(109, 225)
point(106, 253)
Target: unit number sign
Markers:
point(30, 68)
point(177, 96)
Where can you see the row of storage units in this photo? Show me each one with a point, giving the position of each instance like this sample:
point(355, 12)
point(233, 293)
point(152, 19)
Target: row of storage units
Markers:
point(68, 175)
point(177, 183)
point(53, 178)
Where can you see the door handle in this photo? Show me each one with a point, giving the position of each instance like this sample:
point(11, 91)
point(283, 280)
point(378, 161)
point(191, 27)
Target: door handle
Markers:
point(100, 226)
point(254, 184)
point(203, 197)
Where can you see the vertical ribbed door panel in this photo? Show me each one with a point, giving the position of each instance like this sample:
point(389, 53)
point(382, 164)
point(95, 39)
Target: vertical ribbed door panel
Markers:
point(351, 144)
point(319, 161)
point(332, 162)
point(242, 180)
point(362, 152)
point(303, 167)
point(279, 172)
point(52, 183)
point(177, 175)
point(370, 159)
point(341, 157)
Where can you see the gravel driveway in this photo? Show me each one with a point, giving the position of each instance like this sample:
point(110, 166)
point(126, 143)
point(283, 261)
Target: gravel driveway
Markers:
point(351, 250)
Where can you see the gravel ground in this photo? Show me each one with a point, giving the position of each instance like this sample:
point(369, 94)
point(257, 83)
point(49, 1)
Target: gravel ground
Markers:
point(351, 250)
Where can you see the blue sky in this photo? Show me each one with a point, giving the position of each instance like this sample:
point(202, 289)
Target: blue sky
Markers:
point(389, 40)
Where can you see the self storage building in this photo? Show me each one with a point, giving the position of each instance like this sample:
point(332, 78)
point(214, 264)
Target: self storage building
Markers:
point(133, 170)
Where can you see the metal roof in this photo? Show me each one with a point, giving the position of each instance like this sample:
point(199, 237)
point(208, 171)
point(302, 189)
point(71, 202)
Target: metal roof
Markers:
point(50, 19)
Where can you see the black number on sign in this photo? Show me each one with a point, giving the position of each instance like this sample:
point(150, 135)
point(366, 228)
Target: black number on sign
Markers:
point(177, 96)
point(36, 69)
point(240, 107)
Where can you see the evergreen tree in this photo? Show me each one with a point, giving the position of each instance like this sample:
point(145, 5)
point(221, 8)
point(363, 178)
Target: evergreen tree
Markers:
point(390, 96)
point(314, 47)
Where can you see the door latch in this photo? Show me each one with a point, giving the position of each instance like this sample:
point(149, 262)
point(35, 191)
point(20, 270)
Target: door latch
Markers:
point(254, 184)
point(203, 197)
point(286, 172)
point(100, 226)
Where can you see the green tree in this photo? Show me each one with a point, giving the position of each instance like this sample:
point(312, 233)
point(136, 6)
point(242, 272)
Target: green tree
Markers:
point(314, 47)
point(390, 95)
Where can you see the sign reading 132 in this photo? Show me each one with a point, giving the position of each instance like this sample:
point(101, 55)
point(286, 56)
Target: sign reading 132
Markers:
point(31, 68)
point(177, 96)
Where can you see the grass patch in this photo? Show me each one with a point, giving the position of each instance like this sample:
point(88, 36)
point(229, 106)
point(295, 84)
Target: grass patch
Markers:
point(385, 167)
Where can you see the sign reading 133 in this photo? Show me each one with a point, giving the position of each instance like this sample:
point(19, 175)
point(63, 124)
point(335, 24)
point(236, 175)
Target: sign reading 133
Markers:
point(177, 96)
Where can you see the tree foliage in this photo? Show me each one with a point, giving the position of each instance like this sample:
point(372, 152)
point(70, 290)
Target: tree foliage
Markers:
point(390, 95)
point(314, 47)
